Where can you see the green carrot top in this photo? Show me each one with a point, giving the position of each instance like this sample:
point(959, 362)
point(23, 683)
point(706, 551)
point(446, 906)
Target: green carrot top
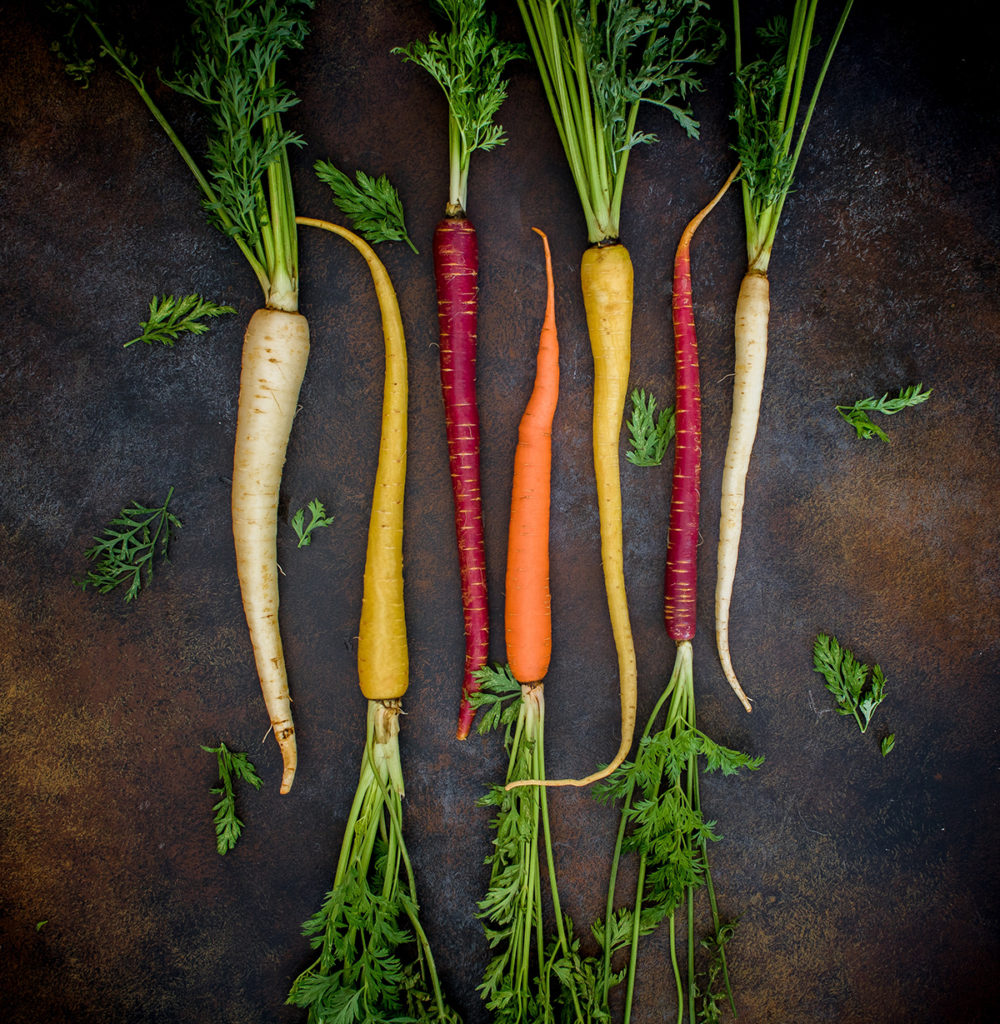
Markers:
point(769, 91)
point(598, 61)
point(231, 70)
point(468, 62)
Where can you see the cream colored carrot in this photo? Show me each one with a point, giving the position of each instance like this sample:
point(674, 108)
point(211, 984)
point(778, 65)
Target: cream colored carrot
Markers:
point(275, 350)
point(752, 309)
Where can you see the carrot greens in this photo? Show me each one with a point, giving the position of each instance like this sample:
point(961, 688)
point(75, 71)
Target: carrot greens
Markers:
point(469, 62)
point(171, 317)
point(317, 519)
point(527, 977)
point(663, 824)
point(233, 767)
point(125, 552)
point(600, 61)
point(857, 688)
point(650, 434)
point(857, 414)
point(373, 204)
point(373, 962)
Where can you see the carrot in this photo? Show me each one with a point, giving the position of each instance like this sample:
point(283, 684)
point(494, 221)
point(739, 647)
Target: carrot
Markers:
point(769, 142)
point(456, 271)
point(234, 55)
point(661, 814)
point(275, 350)
point(528, 607)
point(371, 916)
point(597, 64)
point(681, 577)
point(527, 978)
point(468, 62)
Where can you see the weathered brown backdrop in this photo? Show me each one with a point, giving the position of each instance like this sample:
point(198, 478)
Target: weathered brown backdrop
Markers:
point(865, 887)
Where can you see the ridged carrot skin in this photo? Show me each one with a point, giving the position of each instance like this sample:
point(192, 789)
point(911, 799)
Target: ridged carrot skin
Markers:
point(456, 270)
point(528, 607)
point(275, 351)
point(681, 578)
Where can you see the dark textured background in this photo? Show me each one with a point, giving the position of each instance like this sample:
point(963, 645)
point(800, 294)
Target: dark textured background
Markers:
point(865, 887)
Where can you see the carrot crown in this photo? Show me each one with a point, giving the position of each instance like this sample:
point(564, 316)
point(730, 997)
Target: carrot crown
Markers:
point(598, 61)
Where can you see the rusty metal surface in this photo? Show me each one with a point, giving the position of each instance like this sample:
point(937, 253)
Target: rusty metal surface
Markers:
point(865, 886)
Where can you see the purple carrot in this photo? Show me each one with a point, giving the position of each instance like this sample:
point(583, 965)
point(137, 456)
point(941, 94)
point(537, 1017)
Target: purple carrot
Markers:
point(456, 268)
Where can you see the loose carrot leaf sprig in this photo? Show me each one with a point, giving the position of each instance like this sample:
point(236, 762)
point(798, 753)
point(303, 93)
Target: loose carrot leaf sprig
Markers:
point(847, 679)
point(233, 766)
point(170, 317)
point(373, 204)
point(125, 552)
point(317, 518)
point(650, 434)
point(857, 414)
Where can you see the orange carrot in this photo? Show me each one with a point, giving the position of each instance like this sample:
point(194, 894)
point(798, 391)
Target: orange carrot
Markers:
point(528, 612)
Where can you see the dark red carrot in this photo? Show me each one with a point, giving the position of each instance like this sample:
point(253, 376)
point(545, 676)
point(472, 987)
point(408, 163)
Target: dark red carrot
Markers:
point(681, 580)
point(456, 269)
point(673, 858)
point(467, 61)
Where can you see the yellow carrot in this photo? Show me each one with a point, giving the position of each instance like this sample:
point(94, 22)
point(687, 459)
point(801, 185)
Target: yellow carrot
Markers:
point(383, 660)
point(578, 49)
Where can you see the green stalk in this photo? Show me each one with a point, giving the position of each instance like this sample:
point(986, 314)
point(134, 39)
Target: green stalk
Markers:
point(594, 90)
point(203, 184)
point(539, 769)
point(375, 817)
point(762, 213)
point(520, 980)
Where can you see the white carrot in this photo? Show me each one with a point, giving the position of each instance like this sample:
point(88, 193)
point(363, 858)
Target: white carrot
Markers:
point(247, 192)
point(768, 93)
point(275, 350)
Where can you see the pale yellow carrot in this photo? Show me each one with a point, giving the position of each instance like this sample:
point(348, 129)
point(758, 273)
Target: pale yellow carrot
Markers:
point(752, 310)
point(275, 350)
